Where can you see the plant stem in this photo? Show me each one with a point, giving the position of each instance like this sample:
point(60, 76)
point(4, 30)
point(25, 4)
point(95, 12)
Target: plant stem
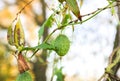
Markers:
point(94, 13)
point(75, 23)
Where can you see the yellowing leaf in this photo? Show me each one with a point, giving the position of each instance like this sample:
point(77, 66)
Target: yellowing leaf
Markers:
point(19, 38)
point(72, 4)
point(81, 3)
point(10, 35)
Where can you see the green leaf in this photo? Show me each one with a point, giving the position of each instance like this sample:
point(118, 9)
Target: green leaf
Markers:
point(24, 77)
point(41, 31)
point(45, 46)
point(66, 19)
point(112, 8)
point(59, 74)
point(47, 23)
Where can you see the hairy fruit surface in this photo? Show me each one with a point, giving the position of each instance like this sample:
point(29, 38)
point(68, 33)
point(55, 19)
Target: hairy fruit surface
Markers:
point(62, 45)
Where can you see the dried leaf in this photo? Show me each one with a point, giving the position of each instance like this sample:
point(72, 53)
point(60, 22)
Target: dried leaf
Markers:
point(22, 64)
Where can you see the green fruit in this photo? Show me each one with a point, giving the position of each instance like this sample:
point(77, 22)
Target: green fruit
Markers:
point(62, 45)
point(24, 77)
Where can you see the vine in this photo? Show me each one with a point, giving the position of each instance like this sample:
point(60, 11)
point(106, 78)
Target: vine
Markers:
point(16, 37)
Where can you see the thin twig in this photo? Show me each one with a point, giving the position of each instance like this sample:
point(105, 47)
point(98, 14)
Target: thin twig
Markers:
point(94, 13)
point(22, 10)
point(34, 53)
point(101, 77)
point(111, 59)
point(14, 55)
point(75, 21)
point(98, 10)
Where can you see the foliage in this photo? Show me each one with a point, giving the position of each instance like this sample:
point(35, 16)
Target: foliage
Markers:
point(24, 77)
point(60, 45)
point(59, 74)
point(47, 23)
